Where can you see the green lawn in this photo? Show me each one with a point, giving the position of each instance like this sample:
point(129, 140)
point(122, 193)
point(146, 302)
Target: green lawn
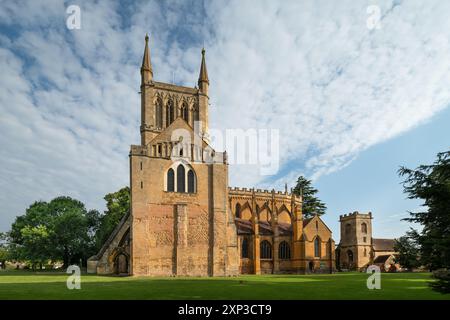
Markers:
point(50, 285)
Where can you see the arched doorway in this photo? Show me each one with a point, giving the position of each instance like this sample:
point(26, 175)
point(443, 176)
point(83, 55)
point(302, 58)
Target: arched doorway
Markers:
point(350, 259)
point(121, 264)
point(311, 266)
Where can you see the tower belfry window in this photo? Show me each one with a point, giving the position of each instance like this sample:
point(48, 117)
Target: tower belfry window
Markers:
point(159, 113)
point(185, 112)
point(169, 113)
point(364, 227)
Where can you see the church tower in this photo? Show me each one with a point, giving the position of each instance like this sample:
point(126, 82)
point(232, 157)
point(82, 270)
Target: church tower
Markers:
point(180, 220)
point(355, 248)
point(162, 103)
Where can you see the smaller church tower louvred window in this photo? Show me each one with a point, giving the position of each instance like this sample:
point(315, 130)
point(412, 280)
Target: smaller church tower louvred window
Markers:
point(348, 228)
point(191, 181)
point(181, 179)
point(364, 227)
point(266, 250)
point(170, 180)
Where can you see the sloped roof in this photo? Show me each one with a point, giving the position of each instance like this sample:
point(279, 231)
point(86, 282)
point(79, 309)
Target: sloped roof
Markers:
point(245, 227)
point(383, 244)
point(111, 237)
point(306, 221)
point(382, 259)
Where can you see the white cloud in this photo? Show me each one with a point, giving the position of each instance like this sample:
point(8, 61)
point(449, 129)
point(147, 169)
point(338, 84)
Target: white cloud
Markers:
point(70, 109)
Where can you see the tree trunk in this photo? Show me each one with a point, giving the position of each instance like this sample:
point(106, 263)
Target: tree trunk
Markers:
point(66, 258)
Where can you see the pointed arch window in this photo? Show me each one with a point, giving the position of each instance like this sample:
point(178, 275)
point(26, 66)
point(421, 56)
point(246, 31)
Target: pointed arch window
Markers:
point(364, 227)
point(191, 181)
point(348, 228)
point(159, 114)
point(266, 250)
point(185, 112)
point(317, 247)
point(284, 250)
point(181, 179)
point(350, 256)
point(169, 113)
point(170, 180)
point(244, 248)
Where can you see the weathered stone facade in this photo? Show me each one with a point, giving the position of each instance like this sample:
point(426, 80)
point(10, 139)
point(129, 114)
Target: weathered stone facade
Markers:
point(184, 218)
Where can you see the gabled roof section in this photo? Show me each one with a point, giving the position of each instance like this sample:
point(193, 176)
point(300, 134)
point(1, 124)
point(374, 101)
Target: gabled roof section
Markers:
point(111, 237)
point(307, 222)
point(245, 227)
point(383, 244)
point(179, 123)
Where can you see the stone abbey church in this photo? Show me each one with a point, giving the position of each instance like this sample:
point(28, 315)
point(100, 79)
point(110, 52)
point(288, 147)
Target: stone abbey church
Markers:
point(185, 220)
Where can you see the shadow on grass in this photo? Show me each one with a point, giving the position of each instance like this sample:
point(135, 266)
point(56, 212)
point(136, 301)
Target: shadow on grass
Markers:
point(299, 287)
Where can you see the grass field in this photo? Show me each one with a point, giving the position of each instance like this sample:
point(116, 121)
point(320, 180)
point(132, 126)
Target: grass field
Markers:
point(50, 285)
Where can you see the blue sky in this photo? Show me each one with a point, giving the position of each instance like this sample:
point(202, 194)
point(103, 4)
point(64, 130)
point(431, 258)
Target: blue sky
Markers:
point(371, 182)
point(351, 103)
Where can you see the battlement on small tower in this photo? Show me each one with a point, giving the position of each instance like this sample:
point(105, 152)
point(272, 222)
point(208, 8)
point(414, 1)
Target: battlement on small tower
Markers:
point(355, 214)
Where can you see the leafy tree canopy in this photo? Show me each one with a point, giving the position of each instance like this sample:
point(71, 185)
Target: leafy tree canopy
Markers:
point(61, 229)
point(431, 183)
point(408, 251)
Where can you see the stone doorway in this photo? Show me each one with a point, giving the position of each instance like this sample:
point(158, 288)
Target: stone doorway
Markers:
point(121, 264)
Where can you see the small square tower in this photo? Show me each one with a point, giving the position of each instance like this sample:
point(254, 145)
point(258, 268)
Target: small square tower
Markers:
point(355, 247)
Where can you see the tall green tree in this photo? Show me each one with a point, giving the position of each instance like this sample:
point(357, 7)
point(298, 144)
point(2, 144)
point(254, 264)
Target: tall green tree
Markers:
point(117, 206)
point(312, 205)
point(61, 229)
point(431, 184)
point(408, 251)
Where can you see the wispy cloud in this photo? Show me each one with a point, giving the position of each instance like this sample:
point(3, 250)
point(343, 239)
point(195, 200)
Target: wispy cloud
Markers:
point(70, 109)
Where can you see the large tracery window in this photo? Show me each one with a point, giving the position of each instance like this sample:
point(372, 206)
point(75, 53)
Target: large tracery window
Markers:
point(266, 250)
point(284, 250)
point(181, 178)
